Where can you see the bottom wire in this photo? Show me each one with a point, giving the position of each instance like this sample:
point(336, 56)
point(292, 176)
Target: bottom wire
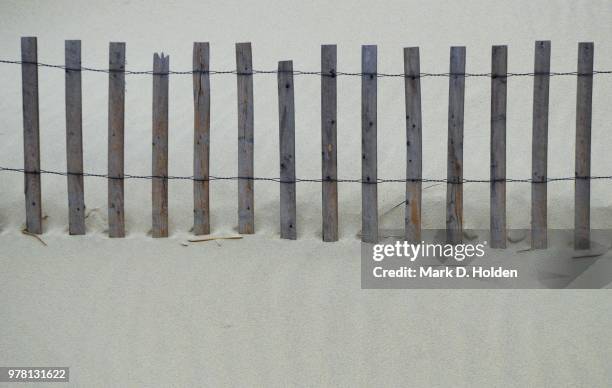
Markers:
point(302, 180)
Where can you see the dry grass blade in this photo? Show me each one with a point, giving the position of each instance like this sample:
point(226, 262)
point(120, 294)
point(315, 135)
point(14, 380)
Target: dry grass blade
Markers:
point(24, 231)
point(213, 238)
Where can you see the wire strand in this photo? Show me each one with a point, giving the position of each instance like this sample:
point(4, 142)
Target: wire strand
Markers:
point(303, 180)
point(301, 72)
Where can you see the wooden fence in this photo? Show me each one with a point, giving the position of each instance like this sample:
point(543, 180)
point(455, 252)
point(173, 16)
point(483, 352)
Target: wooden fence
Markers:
point(329, 178)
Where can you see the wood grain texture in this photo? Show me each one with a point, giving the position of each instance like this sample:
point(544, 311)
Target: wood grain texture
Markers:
point(201, 141)
point(454, 187)
point(116, 122)
point(74, 138)
point(539, 146)
point(584, 96)
point(499, 70)
point(161, 66)
point(414, 148)
point(286, 126)
point(369, 176)
point(329, 166)
point(31, 134)
point(246, 189)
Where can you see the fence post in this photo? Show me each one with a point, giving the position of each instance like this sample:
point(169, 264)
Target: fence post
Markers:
point(286, 112)
point(246, 198)
point(499, 70)
point(74, 138)
point(161, 66)
point(369, 177)
point(116, 114)
point(201, 142)
point(329, 142)
point(539, 147)
point(31, 134)
point(454, 187)
point(414, 149)
point(584, 97)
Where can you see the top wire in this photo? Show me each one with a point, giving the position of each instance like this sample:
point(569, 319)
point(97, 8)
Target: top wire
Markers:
point(300, 72)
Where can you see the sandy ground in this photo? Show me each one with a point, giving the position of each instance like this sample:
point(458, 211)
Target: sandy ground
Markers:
point(155, 313)
point(265, 312)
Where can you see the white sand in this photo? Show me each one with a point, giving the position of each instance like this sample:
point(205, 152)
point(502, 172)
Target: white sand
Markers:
point(265, 312)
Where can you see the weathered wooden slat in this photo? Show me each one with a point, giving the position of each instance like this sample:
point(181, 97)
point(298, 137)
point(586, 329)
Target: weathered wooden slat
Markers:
point(161, 66)
point(414, 148)
point(74, 138)
point(499, 70)
point(539, 146)
point(329, 142)
point(201, 141)
point(246, 189)
point(454, 187)
point(286, 115)
point(369, 176)
point(31, 134)
point(116, 115)
point(584, 96)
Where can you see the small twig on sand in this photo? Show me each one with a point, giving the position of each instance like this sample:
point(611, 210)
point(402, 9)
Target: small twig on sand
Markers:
point(213, 238)
point(24, 231)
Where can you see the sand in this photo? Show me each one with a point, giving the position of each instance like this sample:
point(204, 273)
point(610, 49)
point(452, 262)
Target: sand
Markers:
point(265, 312)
